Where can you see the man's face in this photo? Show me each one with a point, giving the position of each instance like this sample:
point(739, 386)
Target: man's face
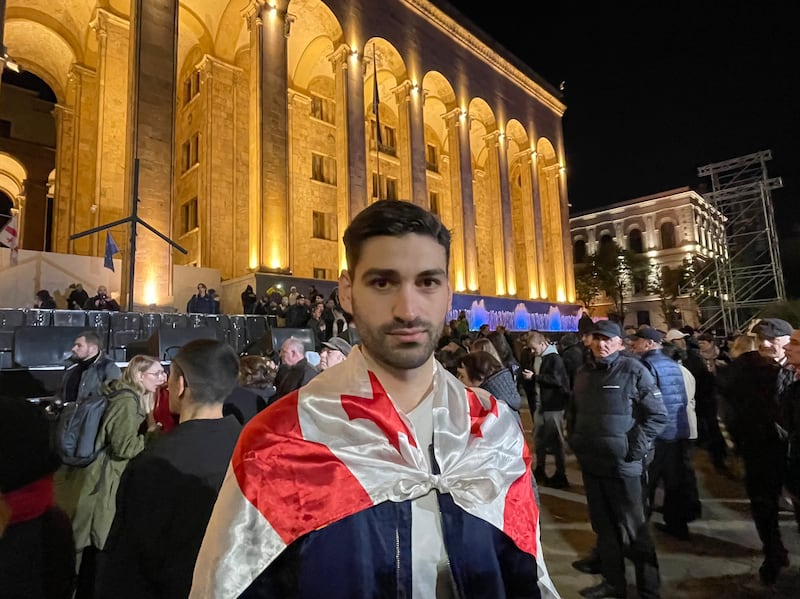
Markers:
point(289, 355)
point(792, 349)
point(201, 290)
point(317, 313)
point(537, 346)
point(586, 339)
point(603, 346)
point(83, 349)
point(640, 346)
point(102, 290)
point(330, 357)
point(399, 295)
point(680, 342)
point(705, 345)
point(772, 347)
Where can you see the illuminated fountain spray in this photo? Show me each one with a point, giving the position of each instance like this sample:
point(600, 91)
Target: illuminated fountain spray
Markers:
point(523, 317)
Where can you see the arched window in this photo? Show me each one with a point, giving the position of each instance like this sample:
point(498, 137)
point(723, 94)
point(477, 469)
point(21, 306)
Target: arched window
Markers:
point(579, 252)
point(667, 235)
point(606, 239)
point(635, 241)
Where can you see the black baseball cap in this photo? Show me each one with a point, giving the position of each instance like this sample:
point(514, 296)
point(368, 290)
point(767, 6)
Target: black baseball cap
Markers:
point(648, 333)
point(772, 327)
point(606, 328)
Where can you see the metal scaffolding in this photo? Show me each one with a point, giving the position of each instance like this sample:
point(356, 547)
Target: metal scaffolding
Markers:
point(731, 289)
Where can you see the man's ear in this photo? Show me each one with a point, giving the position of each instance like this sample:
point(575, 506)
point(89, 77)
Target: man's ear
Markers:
point(346, 291)
point(181, 386)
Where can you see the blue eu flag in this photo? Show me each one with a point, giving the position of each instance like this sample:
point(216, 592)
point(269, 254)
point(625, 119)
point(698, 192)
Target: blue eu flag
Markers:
point(111, 249)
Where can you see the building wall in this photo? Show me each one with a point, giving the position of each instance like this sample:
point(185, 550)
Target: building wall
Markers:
point(699, 235)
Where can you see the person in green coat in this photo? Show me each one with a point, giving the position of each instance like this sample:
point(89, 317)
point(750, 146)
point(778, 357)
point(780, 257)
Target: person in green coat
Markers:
point(88, 494)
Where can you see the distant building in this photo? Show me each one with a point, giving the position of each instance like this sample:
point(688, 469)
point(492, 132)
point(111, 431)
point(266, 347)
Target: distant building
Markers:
point(673, 229)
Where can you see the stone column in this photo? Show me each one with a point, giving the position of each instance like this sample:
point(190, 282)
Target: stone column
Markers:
point(269, 136)
point(351, 151)
point(532, 240)
point(462, 198)
point(218, 81)
point(649, 223)
point(567, 268)
point(110, 197)
point(505, 212)
point(65, 149)
point(411, 139)
point(538, 225)
point(495, 194)
point(154, 49)
point(78, 163)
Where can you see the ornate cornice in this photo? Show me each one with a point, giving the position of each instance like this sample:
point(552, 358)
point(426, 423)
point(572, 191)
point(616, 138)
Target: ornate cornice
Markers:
point(471, 42)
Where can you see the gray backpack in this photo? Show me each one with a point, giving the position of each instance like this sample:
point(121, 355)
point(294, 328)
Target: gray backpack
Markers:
point(77, 428)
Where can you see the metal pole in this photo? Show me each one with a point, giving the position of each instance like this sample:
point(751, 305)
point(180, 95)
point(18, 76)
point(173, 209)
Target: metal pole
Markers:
point(134, 222)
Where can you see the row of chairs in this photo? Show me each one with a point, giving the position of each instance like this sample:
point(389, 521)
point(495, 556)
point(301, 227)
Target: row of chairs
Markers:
point(121, 329)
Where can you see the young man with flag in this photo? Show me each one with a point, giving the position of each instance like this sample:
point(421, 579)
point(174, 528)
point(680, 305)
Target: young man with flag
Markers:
point(384, 471)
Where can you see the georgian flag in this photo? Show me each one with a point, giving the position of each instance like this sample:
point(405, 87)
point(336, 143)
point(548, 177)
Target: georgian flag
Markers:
point(9, 236)
point(356, 451)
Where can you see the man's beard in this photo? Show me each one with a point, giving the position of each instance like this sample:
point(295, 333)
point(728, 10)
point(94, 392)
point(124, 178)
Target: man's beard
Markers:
point(400, 356)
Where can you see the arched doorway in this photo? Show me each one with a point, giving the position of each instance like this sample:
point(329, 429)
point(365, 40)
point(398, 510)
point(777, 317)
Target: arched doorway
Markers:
point(28, 136)
point(6, 204)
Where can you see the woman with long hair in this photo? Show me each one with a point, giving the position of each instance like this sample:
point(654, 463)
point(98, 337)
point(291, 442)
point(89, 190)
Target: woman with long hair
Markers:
point(481, 369)
point(255, 387)
point(88, 494)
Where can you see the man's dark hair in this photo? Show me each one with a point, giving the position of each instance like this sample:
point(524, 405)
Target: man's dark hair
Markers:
point(91, 337)
point(209, 368)
point(393, 218)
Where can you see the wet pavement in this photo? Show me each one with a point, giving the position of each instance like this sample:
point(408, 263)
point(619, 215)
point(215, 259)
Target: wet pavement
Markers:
point(719, 561)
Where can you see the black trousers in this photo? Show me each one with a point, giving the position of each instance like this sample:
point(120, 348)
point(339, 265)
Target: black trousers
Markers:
point(672, 468)
point(764, 470)
point(617, 515)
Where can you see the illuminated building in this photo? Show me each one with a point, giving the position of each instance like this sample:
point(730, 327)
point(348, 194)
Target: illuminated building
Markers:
point(254, 126)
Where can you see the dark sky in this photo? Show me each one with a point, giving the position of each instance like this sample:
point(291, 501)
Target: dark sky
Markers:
point(653, 93)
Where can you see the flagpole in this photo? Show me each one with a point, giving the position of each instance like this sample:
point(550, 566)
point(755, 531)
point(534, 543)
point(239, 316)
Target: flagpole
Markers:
point(376, 106)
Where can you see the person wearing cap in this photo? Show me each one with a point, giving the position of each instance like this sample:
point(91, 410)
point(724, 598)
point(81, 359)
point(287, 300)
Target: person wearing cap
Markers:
point(709, 434)
point(757, 380)
point(334, 350)
point(37, 548)
point(615, 414)
point(670, 458)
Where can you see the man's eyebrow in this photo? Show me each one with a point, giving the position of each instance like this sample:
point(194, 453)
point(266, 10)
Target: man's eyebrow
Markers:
point(388, 273)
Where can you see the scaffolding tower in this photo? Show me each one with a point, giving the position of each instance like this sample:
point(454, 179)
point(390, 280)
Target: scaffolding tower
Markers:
point(746, 276)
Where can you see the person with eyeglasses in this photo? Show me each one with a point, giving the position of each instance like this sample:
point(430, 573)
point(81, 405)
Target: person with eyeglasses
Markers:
point(202, 302)
point(167, 493)
point(88, 494)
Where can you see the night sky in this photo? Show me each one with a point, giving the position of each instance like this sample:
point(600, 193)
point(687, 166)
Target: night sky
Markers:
point(653, 93)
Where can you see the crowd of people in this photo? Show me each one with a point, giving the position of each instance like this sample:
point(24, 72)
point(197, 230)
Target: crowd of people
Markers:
point(387, 447)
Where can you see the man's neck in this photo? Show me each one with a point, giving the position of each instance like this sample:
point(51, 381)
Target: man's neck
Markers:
point(406, 387)
point(198, 411)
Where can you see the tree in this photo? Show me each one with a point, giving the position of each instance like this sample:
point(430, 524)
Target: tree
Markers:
point(587, 289)
point(666, 282)
point(615, 270)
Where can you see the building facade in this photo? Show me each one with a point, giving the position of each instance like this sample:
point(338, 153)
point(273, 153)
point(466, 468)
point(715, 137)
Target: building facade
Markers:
point(677, 229)
point(259, 129)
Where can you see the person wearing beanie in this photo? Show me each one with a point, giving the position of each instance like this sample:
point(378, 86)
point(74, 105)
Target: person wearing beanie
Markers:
point(37, 559)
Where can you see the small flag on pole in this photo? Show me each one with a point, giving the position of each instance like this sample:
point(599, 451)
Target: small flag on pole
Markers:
point(376, 100)
point(9, 236)
point(111, 249)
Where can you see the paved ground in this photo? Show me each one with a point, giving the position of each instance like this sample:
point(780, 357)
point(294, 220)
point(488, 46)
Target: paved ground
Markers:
point(720, 561)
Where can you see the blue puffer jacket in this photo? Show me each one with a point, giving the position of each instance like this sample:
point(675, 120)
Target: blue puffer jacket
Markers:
point(615, 414)
point(673, 392)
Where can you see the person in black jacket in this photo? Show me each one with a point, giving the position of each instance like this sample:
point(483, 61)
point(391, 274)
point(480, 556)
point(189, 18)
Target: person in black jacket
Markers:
point(615, 415)
point(544, 379)
point(44, 301)
point(37, 548)
point(294, 371)
point(167, 493)
point(757, 380)
point(77, 297)
point(571, 349)
point(249, 300)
